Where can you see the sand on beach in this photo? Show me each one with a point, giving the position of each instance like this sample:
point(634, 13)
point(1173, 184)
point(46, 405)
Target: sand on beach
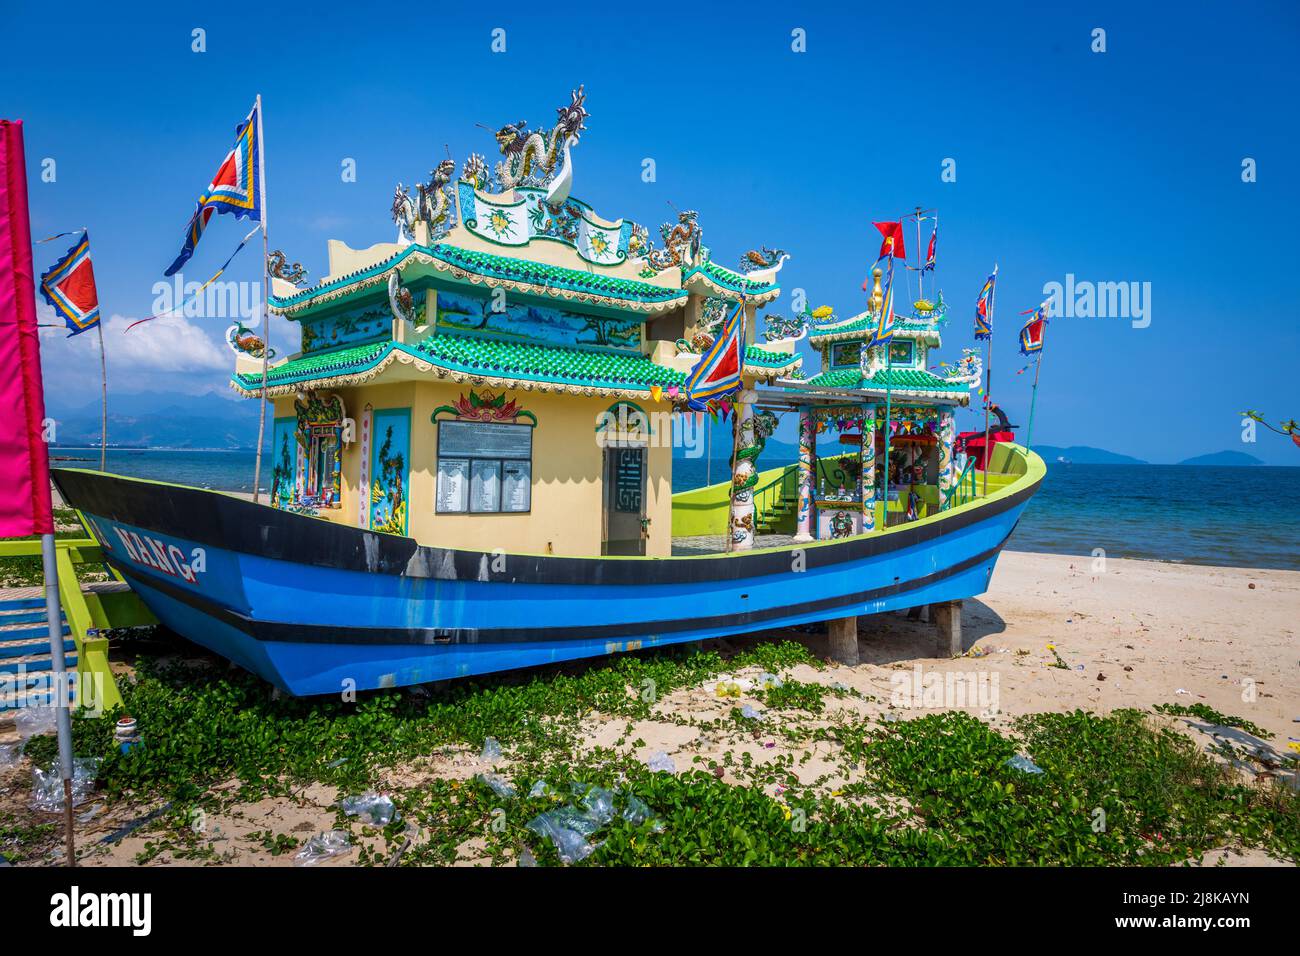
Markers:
point(1130, 633)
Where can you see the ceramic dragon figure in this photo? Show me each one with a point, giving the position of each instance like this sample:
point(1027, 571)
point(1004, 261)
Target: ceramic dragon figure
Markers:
point(532, 157)
point(431, 203)
point(787, 331)
point(681, 242)
point(277, 265)
point(763, 264)
point(969, 370)
point(402, 302)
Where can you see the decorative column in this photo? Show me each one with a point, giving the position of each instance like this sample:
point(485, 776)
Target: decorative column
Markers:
point(744, 472)
point(868, 479)
point(947, 467)
point(807, 457)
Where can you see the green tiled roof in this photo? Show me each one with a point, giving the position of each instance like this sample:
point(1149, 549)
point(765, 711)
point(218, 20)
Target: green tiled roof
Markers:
point(481, 356)
point(544, 363)
point(732, 281)
point(761, 357)
point(911, 379)
point(319, 365)
point(499, 267)
point(865, 323)
point(539, 273)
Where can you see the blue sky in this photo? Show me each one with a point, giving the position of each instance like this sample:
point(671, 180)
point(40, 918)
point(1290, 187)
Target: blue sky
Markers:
point(1116, 166)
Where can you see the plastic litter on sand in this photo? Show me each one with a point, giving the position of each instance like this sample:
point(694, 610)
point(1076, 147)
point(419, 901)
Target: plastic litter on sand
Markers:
point(323, 846)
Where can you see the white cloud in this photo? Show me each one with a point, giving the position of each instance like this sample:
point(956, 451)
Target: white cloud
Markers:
point(170, 354)
point(168, 344)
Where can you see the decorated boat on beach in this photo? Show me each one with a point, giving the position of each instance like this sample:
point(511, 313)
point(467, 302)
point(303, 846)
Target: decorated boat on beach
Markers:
point(472, 451)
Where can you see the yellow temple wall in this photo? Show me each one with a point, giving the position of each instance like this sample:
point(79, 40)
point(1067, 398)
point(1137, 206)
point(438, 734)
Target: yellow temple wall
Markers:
point(567, 489)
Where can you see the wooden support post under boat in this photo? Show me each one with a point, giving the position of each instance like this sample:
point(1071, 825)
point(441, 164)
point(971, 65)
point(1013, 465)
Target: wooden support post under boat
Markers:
point(842, 635)
point(946, 616)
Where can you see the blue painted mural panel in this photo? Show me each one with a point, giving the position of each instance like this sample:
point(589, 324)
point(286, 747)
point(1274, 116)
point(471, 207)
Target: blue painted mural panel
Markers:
point(284, 461)
point(460, 312)
point(368, 324)
point(390, 470)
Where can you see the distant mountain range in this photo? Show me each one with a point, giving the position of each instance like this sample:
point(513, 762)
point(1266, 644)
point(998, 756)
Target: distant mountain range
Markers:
point(1223, 458)
point(160, 420)
point(1085, 455)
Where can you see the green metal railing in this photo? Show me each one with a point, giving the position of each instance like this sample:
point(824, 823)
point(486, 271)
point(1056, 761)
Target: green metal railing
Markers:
point(770, 500)
point(964, 491)
point(779, 497)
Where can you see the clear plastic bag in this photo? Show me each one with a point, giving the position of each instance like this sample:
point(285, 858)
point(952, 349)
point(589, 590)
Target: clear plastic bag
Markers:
point(554, 825)
point(498, 784)
point(323, 846)
point(372, 808)
point(34, 721)
point(1023, 763)
point(660, 762)
point(47, 785)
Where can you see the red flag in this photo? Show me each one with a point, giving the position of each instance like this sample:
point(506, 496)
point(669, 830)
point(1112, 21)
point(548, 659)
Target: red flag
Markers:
point(25, 507)
point(893, 244)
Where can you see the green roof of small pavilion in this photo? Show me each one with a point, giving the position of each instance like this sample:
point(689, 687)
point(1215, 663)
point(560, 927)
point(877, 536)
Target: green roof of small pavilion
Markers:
point(899, 379)
point(860, 326)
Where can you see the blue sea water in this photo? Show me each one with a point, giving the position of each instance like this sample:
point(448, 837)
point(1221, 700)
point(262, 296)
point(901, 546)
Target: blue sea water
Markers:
point(1232, 517)
point(1235, 517)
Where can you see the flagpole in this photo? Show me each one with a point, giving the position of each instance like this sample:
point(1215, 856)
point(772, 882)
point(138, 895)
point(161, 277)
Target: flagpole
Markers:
point(1033, 398)
point(889, 385)
point(266, 302)
point(920, 263)
point(103, 400)
point(707, 425)
point(988, 384)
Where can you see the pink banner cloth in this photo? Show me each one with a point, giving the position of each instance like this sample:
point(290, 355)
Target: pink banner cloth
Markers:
point(25, 507)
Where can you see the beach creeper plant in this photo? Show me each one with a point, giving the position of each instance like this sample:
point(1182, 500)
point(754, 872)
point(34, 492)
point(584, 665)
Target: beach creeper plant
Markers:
point(934, 790)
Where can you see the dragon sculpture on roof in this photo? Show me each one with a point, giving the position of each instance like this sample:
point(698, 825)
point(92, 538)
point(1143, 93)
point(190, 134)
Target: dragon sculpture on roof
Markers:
point(532, 157)
point(431, 203)
point(682, 243)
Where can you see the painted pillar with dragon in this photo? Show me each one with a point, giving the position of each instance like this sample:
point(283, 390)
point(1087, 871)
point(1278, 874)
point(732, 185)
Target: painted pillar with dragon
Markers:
point(947, 467)
point(807, 460)
point(867, 482)
point(751, 434)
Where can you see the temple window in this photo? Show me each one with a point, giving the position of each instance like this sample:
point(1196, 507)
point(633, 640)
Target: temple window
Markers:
point(484, 467)
point(846, 354)
point(902, 352)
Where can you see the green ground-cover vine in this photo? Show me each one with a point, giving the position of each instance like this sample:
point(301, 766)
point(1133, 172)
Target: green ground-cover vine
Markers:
point(1115, 789)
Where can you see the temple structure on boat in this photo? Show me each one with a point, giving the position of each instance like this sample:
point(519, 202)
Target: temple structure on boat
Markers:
point(508, 376)
point(503, 375)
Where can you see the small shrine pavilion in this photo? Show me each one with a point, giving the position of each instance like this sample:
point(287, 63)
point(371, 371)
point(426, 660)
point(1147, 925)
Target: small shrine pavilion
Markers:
point(864, 402)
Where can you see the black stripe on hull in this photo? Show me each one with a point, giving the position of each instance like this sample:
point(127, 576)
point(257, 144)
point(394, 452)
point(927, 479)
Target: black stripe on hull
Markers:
point(222, 521)
point(274, 631)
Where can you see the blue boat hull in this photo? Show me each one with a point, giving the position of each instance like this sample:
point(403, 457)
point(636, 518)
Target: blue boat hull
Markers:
point(319, 608)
